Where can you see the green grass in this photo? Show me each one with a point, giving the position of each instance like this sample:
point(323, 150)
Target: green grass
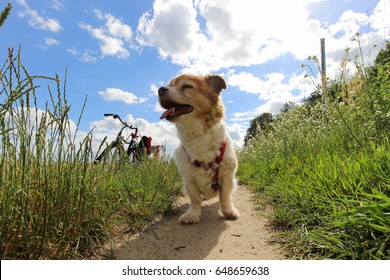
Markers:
point(54, 202)
point(328, 176)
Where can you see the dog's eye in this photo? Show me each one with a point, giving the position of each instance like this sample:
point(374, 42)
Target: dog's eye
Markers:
point(184, 87)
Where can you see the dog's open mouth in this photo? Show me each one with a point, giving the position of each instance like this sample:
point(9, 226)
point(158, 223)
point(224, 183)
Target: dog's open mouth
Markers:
point(174, 110)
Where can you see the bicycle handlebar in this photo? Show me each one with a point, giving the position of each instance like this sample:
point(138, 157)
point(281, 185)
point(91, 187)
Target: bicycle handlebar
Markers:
point(115, 116)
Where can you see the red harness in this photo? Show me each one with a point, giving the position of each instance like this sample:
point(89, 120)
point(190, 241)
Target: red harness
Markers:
point(214, 166)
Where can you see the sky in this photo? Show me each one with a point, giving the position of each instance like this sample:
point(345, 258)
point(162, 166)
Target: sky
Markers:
point(118, 53)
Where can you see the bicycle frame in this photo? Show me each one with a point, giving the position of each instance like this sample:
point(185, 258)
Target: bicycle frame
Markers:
point(120, 141)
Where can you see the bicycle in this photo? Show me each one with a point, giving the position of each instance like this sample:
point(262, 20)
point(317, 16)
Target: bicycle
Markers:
point(135, 151)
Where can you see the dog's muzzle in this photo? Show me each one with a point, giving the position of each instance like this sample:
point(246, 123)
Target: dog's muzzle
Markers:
point(173, 109)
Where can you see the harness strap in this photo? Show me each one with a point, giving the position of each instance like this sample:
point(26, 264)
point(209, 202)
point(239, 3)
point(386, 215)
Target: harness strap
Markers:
point(214, 166)
point(218, 159)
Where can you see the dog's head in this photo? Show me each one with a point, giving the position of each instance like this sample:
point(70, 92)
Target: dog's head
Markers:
point(193, 96)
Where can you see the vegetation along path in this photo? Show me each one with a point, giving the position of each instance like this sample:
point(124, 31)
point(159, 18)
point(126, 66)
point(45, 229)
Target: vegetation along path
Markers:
point(212, 238)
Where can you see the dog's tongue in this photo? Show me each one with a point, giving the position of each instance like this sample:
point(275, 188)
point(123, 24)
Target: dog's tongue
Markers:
point(176, 111)
point(167, 113)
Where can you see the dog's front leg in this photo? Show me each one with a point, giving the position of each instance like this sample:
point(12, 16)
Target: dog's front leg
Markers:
point(227, 207)
point(192, 216)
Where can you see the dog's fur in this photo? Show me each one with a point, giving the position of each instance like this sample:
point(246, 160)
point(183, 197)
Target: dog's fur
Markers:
point(197, 114)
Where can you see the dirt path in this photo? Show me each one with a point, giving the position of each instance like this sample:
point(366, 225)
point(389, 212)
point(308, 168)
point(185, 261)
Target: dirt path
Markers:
point(212, 238)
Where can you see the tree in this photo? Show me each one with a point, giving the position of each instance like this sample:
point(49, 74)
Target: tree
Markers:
point(313, 98)
point(288, 106)
point(383, 56)
point(379, 88)
point(5, 13)
point(381, 63)
point(258, 126)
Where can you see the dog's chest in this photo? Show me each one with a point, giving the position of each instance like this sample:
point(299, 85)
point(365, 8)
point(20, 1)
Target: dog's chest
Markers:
point(201, 175)
point(203, 179)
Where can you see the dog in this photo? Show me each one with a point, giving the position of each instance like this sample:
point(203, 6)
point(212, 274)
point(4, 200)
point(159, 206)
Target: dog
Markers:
point(205, 157)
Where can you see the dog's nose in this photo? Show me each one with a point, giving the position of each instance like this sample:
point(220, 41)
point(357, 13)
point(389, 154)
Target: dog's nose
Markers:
point(162, 90)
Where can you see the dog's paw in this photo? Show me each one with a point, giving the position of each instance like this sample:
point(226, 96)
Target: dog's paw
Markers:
point(231, 213)
point(189, 218)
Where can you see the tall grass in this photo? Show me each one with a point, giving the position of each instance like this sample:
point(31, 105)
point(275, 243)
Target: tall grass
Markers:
point(54, 203)
point(328, 177)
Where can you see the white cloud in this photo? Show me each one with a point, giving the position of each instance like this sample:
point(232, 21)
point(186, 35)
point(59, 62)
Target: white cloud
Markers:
point(380, 20)
point(114, 37)
point(271, 106)
point(273, 91)
point(158, 108)
point(207, 35)
point(108, 45)
point(57, 5)
point(172, 29)
point(273, 86)
point(116, 94)
point(85, 56)
point(47, 43)
point(154, 93)
point(88, 56)
point(154, 90)
point(37, 21)
point(348, 24)
point(72, 51)
point(236, 33)
point(115, 27)
point(50, 41)
point(237, 132)
point(373, 28)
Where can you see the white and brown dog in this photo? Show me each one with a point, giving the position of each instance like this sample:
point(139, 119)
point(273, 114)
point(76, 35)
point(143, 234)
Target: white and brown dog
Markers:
point(206, 158)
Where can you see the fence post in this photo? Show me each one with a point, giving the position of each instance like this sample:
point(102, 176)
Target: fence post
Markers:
point(323, 78)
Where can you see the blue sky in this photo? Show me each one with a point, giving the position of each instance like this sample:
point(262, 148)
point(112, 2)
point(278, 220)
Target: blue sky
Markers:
point(118, 53)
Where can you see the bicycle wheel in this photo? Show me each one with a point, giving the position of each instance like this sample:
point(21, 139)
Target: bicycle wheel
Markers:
point(105, 152)
point(132, 151)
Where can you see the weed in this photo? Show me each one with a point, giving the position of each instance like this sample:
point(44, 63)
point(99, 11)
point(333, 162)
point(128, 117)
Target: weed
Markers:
point(54, 202)
point(329, 181)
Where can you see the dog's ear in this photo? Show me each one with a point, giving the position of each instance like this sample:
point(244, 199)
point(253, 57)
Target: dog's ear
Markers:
point(216, 82)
